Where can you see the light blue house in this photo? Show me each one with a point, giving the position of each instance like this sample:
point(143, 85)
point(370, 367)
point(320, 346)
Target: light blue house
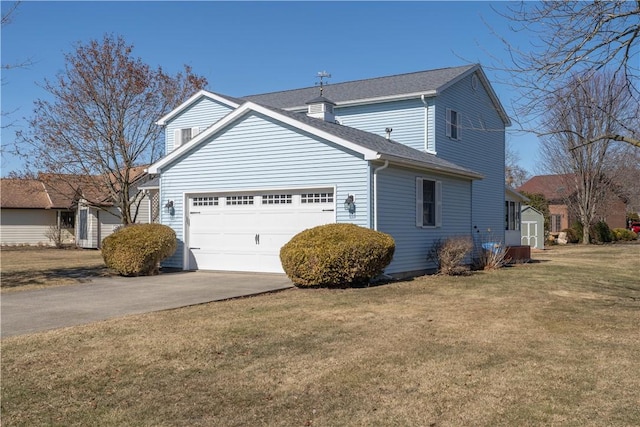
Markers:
point(419, 156)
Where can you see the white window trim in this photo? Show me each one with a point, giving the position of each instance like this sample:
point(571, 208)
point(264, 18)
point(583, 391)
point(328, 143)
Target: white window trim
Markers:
point(419, 205)
point(450, 124)
point(177, 136)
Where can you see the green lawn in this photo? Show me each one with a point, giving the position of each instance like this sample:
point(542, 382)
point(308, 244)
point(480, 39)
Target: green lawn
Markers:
point(554, 342)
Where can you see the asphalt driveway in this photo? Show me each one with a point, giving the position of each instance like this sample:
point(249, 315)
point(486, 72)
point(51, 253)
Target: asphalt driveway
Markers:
point(24, 312)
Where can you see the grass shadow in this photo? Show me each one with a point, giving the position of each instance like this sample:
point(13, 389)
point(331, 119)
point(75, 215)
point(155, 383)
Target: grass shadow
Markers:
point(15, 280)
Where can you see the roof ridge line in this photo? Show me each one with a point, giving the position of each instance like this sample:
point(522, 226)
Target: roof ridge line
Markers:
point(359, 80)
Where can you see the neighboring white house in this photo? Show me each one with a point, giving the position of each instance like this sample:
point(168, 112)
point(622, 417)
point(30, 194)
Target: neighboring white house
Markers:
point(30, 208)
point(97, 218)
point(28, 213)
point(419, 156)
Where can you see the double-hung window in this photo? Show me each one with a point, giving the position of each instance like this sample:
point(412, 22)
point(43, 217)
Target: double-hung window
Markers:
point(453, 124)
point(428, 203)
point(182, 136)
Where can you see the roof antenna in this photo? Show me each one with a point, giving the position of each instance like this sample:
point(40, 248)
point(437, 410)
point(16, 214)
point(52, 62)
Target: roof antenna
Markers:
point(322, 75)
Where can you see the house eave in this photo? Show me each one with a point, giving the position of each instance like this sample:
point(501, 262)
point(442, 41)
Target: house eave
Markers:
point(241, 111)
point(200, 94)
point(377, 100)
point(430, 167)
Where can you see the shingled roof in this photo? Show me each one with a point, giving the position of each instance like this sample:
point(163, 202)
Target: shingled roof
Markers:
point(376, 146)
point(552, 187)
point(386, 148)
point(58, 191)
point(380, 87)
point(24, 194)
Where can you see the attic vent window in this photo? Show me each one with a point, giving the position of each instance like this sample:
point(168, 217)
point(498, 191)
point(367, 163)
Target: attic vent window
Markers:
point(316, 108)
point(320, 108)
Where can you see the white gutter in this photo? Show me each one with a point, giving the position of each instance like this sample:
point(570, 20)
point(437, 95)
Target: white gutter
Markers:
point(375, 193)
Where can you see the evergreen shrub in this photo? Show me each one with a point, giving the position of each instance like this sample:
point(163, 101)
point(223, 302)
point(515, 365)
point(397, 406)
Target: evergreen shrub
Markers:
point(601, 233)
point(336, 255)
point(137, 250)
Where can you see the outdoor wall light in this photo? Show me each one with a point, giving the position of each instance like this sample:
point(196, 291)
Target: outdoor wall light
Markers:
point(169, 207)
point(349, 204)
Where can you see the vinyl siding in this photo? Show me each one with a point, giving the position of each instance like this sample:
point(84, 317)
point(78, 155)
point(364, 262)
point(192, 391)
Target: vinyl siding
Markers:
point(100, 224)
point(141, 214)
point(480, 148)
point(397, 216)
point(259, 153)
point(108, 222)
point(26, 226)
point(202, 114)
point(406, 118)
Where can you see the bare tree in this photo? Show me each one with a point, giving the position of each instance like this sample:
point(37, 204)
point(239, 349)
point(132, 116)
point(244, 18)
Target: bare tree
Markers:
point(570, 38)
point(581, 111)
point(514, 174)
point(101, 120)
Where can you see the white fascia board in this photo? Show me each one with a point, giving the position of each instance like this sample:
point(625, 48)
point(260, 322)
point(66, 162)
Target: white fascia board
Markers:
point(430, 167)
point(492, 94)
point(378, 100)
point(238, 112)
point(245, 109)
point(200, 94)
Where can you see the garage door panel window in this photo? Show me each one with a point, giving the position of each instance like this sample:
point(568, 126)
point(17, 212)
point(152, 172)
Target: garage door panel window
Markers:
point(277, 199)
point(239, 200)
point(308, 198)
point(205, 201)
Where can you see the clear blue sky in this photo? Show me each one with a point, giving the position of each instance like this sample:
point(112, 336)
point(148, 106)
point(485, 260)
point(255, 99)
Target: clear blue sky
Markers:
point(244, 48)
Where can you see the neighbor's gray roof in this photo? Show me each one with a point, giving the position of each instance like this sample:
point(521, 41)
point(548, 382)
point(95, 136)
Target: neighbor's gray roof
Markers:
point(388, 86)
point(388, 149)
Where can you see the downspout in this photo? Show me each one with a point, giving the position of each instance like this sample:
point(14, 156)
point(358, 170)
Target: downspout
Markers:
point(375, 193)
point(426, 123)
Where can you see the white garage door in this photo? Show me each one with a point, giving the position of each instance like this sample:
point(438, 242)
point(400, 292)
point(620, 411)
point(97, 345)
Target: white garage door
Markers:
point(245, 231)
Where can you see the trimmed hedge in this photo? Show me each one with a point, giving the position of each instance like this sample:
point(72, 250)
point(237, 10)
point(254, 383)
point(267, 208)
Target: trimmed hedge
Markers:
point(136, 250)
point(336, 255)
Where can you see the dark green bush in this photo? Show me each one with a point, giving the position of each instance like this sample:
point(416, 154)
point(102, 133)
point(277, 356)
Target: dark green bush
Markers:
point(572, 235)
point(137, 250)
point(578, 228)
point(336, 255)
point(624, 235)
point(601, 233)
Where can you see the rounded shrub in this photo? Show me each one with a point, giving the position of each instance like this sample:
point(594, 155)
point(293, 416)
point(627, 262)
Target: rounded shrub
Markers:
point(624, 235)
point(137, 250)
point(601, 233)
point(336, 255)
